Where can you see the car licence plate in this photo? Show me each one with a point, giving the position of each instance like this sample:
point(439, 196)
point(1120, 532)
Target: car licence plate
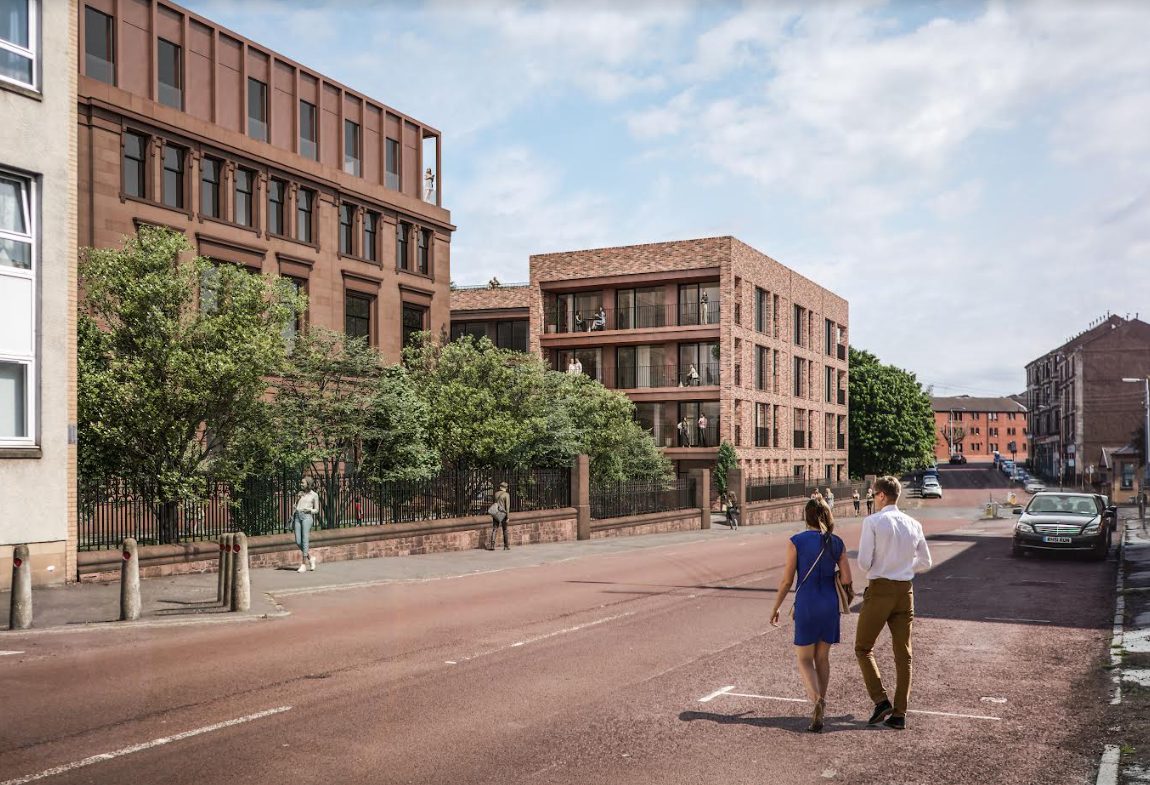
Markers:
point(1058, 540)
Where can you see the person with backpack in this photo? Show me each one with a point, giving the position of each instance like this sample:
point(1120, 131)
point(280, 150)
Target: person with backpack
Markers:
point(500, 512)
point(820, 557)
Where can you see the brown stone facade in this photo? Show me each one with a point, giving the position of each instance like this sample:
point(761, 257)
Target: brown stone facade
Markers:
point(654, 327)
point(224, 156)
point(978, 427)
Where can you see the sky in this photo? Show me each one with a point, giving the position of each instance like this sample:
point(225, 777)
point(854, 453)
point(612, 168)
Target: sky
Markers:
point(973, 177)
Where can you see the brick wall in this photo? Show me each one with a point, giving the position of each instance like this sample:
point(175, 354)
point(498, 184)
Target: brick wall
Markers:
point(655, 523)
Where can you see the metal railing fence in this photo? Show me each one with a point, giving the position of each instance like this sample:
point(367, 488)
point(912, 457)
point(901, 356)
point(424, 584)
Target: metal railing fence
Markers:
point(762, 489)
point(637, 497)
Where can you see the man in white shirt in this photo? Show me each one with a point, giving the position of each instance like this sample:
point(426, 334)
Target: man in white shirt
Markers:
point(892, 549)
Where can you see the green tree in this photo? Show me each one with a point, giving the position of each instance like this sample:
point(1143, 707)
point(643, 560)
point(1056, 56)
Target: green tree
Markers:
point(490, 407)
point(727, 459)
point(891, 419)
point(339, 409)
point(169, 391)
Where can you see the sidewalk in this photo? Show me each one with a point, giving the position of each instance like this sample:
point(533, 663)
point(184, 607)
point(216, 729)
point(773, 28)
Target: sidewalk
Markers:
point(1132, 714)
point(191, 599)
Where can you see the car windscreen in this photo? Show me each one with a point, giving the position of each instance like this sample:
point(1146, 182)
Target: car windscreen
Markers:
point(1062, 505)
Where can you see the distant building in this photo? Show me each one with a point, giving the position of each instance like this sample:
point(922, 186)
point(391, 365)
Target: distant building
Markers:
point(1078, 404)
point(979, 427)
point(38, 166)
point(498, 312)
point(707, 333)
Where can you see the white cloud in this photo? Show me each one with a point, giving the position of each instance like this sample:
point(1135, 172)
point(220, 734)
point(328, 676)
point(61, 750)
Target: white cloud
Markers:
point(959, 201)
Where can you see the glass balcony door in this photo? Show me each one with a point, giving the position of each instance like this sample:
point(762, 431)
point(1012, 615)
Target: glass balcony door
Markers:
point(698, 424)
point(638, 309)
point(699, 303)
point(586, 361)
point(640, 367)
point(698, 364)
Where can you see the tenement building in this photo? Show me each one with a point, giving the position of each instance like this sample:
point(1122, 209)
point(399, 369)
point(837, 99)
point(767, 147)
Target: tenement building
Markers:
point(713, 341)
point(263, 163)
point(38, 287)
point(1080, 408)
point(977, 428)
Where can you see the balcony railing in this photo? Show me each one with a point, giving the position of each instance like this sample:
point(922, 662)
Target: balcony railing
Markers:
point(644, 377)
point(639, 317)
point(699, 437)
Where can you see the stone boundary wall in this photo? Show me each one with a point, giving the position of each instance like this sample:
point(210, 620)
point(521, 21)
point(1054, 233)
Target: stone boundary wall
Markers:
point(783, 510)
point(652, 523)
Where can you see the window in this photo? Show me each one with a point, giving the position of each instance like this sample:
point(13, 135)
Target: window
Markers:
point(244, 182)
point(370, 228)
point(135, 172)
point(798, 319)
point(210, 188)
point(173, 195)
point(762, 366)
point(346, 228)
point(277, 189)
point(304, 201)
point(17, 291)
point(511, 335)
point(699, 304)
point(799, 364)
point(830, 384)
point(775, 313)
point(401, 230)
point(424, 255)
point(761, 307)
point(257, 110)
point(307, 147)
point(392, 178)
point(412, 321)
point(18, 37)
point(99, 46)
point(476, 330)
point(292, 328)
point(357, 316)
point(351, 156)
point(170, 75)
point(828, 328)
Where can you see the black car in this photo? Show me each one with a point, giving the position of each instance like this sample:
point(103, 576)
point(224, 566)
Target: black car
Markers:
point(958, 458)
point(1071, 522)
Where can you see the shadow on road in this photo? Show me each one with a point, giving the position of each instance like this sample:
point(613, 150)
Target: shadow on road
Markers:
point(794, 724)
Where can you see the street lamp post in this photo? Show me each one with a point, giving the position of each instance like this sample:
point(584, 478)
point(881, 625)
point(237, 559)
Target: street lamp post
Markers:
point(1146, 433)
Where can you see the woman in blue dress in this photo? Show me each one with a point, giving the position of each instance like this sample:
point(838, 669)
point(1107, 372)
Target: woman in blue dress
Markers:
point(812, 557)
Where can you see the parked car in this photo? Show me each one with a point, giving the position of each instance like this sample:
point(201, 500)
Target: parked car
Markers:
point(958, 458)
point(1064, 521)
point(1007, 466)
point(1035, 486)
point(930, 471)
point(931, 489)
point(1021, 475)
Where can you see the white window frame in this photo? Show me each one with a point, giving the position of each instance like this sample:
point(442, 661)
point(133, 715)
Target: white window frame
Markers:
point(32, 52)
point(31, 380)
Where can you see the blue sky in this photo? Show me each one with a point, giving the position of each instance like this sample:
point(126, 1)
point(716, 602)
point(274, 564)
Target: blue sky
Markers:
point(973, 177)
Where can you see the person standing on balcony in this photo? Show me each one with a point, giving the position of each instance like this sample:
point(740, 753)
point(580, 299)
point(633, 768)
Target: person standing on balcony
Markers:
point(692, 376)
point(306, 507)
point(685, 432)
point(572, 368)
point(578, 322)
point(704, 309)
point(702, 430)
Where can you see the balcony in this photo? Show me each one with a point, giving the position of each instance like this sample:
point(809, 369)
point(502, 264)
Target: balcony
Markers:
point(842, 351)
point(699, 437)
point(644, 377)
point(640, 317)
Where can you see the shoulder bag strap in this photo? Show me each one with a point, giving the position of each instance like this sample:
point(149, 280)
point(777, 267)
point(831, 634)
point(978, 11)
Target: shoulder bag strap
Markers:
point(812, 569)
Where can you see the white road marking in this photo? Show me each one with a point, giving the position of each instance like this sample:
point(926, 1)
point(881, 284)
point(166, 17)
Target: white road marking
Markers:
point(769, 697)
point(9, 653)
point(450, 662)
point(1006, 618)
point(1118, 633)
point(141, 747)
point(1108, 768)
point(543, 637)
point(950, 714)
point(715, 694)
point(727, 691)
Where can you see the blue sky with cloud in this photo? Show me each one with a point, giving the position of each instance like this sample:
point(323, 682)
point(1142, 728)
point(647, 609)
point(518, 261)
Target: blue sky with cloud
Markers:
point(973, 177)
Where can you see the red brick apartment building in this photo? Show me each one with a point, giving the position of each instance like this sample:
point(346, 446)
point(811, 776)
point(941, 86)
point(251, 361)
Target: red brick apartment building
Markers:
point(263, 163)
point(977, 427)
point(708, 328)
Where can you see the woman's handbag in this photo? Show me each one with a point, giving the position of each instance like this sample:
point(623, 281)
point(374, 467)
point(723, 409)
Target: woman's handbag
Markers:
point(804, 580)
point(846, 593)
point(496, 512)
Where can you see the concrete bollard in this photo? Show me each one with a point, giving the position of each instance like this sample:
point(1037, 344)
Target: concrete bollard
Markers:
point(221, 577)
point(241, 583)
point(226, 568)
point(130, 581)
point(20, 608)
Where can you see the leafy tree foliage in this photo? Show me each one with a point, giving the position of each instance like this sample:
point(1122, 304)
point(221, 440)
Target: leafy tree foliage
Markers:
point(891, 419)
point(167, 389)
point(727, 459)
point(490, 407)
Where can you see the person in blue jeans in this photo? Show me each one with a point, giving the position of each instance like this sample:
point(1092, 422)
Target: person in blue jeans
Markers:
point(814, 555)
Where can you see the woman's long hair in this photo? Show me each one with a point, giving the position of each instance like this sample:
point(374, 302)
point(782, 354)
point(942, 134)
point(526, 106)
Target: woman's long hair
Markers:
point(817, 513)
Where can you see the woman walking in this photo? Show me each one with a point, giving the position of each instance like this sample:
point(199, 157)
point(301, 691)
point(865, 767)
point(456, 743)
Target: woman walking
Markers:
point(814, 554)
point(306, 507)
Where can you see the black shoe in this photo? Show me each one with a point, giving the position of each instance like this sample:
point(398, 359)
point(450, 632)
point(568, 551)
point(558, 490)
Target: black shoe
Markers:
point(898, 723)
point(881, 712)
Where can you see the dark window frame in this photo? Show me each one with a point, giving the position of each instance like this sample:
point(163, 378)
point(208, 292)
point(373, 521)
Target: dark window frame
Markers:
point(347, 229)
point(178, 66)
point(108, 34)
point(406, 329)
point(179, 174)
point(391, 155)
point(312, 127)
point(141, 179)
point(262, 120)
point(353, 136)
point(371, 236)
point(356, 320)
point(249, 200)
point(423, 241)
point(305, 196)
point(277, 210)
point(402, 241)
point(209, 186)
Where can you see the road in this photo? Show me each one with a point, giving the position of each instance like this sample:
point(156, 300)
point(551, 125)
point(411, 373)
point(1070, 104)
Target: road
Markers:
point(651, 666)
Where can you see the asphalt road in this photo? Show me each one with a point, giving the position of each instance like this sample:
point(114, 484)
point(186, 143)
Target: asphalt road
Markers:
point(652, 666)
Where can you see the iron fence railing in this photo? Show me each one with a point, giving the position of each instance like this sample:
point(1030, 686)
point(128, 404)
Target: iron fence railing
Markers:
point(638, 317)
point(110, 510)
point(637, 497)
point(762, 489)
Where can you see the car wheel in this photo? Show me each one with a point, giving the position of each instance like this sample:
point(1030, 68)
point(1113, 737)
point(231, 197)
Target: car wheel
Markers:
point(1103, 550)
point(1016, 550)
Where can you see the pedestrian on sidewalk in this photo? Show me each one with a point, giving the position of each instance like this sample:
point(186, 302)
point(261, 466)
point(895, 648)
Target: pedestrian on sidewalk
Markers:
point(500, 514)
point(830, 499)
point(815, 554)
point(306, 507)
point(892, 549)
point(869, 500)
point(855, 499)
